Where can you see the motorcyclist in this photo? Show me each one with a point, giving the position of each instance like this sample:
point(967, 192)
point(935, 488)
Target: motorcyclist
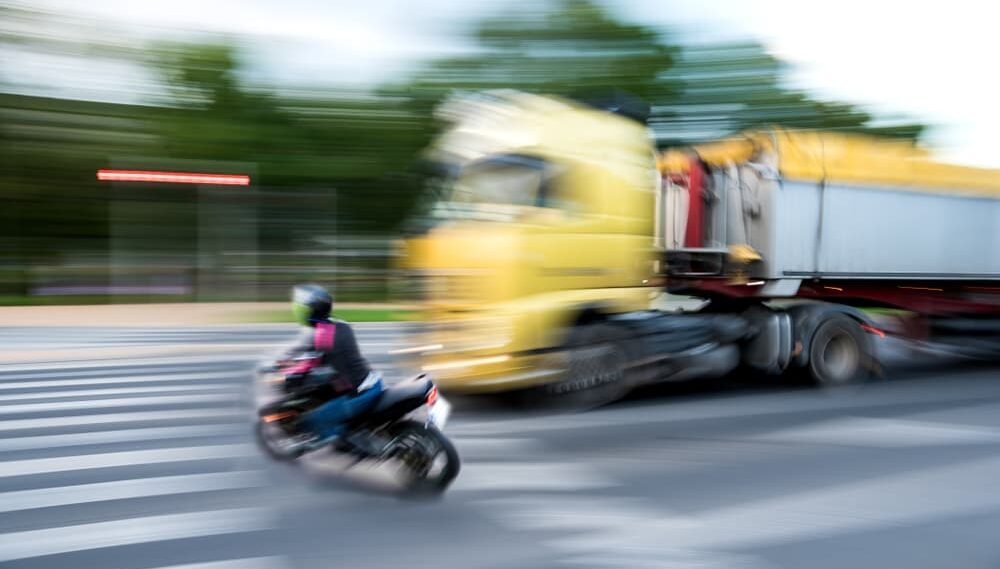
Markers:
point(328, 352)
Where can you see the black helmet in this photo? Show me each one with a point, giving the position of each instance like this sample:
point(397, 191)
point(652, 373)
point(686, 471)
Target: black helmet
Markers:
point(311, 303)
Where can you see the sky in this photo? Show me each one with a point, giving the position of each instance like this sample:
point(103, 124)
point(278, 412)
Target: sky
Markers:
point(931, 61)
point(934, 61)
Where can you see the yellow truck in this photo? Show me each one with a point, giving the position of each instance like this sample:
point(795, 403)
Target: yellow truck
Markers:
point(560, 225)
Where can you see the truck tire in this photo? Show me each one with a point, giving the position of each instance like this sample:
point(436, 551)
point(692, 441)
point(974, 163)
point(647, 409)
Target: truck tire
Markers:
point(595, 369)
point(839, 353)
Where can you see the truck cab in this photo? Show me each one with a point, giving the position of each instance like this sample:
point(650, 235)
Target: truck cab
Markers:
point(544, 232)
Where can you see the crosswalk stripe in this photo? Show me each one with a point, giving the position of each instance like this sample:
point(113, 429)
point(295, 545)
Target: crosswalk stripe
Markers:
point(111, 418)
point(115, 391)
point(126, 489)
point(597, 525)
point(658, 558)
point(883, 433)
point(119, 436)
point(125, 458)
point(82, 537)
point(125, 362)
point(490, 447)
point(245, 563)
point(111, 371)
point(710, 409)
point(166, 377)
point(118, 402)
point(869, 504)
point(560, 477)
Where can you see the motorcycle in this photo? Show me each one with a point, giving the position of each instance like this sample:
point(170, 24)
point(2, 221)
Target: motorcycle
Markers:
point(403, 425)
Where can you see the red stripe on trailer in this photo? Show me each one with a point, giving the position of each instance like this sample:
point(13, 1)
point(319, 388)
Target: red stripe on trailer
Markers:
point(696, 206)
point(924, 297)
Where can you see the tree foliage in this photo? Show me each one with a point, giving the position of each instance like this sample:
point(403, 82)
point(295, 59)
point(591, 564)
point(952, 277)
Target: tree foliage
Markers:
point(346, 159)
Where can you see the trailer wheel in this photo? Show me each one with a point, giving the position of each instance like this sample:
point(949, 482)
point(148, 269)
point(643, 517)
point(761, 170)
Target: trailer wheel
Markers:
point(839, 353)
point(595, 369)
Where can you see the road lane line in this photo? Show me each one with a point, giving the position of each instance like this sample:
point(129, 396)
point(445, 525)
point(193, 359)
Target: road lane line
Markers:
point(245, 563)
point(492, 447)
point(882, 433)
point(559, 477)
point(598, 525)
point(112, 418)
point(120, 436)
point(123, 362)
point(119, 402)
point(33, 466)
point(166, 377)
point(132, 531)
point(113, 371)
point(722, 408)
point(958, 490)
point(77, 393)
point(127, 489)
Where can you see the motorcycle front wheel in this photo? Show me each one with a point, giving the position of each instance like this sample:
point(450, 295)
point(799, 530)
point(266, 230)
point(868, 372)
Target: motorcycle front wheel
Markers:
point(275, 442)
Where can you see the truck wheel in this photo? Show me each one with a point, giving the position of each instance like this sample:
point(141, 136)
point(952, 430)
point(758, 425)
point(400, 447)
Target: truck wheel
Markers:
point(595, 371)
point(839, 353)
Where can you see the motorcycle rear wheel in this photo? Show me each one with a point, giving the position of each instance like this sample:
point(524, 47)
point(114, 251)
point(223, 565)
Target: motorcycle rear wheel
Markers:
point(430, 459)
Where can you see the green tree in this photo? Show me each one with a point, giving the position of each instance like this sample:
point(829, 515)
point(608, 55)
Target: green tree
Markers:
point(351, 153)
point(564, 47)
point(735, 86)
point(578, 48)
point(346, 160)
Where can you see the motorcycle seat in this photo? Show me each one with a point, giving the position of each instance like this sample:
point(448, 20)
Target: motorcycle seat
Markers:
point(398, 400)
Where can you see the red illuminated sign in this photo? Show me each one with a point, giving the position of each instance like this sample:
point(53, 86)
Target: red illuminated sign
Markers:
point(173, 177)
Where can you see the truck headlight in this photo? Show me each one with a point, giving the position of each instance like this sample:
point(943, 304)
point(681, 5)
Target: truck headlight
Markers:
point(458, 364)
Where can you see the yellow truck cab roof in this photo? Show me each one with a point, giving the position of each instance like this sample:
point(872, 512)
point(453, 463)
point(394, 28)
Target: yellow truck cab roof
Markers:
point(847, 158)
point(498, 122)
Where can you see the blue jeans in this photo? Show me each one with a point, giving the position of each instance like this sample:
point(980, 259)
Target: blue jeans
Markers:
point(328, 419)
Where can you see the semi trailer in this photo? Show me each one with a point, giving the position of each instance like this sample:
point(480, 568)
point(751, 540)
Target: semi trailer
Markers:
point(560, 227)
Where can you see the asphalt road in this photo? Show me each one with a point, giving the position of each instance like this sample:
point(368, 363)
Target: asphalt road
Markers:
point(126, 463)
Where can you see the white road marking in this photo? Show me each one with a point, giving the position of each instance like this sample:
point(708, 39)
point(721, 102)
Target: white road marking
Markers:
point(126, 458)
point(125, 379)
point(119, 402)
point(126, 489)
point(558, 477)
point(120, 436)
point(83, 537)
point(123, 362)
point(76, 393)
point(598, 525)
point(665, 557)
point(721, 408)
point(246, 563)
point(474, 447)
point(112, 369)
point(110, 418)
point(375, 476)
point(965, 415)
point(904, 499)
point(883, 433)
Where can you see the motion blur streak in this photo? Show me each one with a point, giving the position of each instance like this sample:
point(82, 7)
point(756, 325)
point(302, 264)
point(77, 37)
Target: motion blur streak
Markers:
point(491, 189)
point(173, 177)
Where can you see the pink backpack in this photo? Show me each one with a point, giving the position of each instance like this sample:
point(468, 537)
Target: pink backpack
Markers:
point(325, 334)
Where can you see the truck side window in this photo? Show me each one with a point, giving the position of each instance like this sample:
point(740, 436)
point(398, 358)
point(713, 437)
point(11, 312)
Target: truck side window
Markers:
point(552, 195)
point(546, 193)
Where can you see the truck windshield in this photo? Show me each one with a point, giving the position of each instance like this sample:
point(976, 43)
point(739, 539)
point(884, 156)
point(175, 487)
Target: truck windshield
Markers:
point(494, 188)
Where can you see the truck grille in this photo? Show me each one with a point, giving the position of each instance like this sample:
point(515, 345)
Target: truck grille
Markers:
point(454, 287)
